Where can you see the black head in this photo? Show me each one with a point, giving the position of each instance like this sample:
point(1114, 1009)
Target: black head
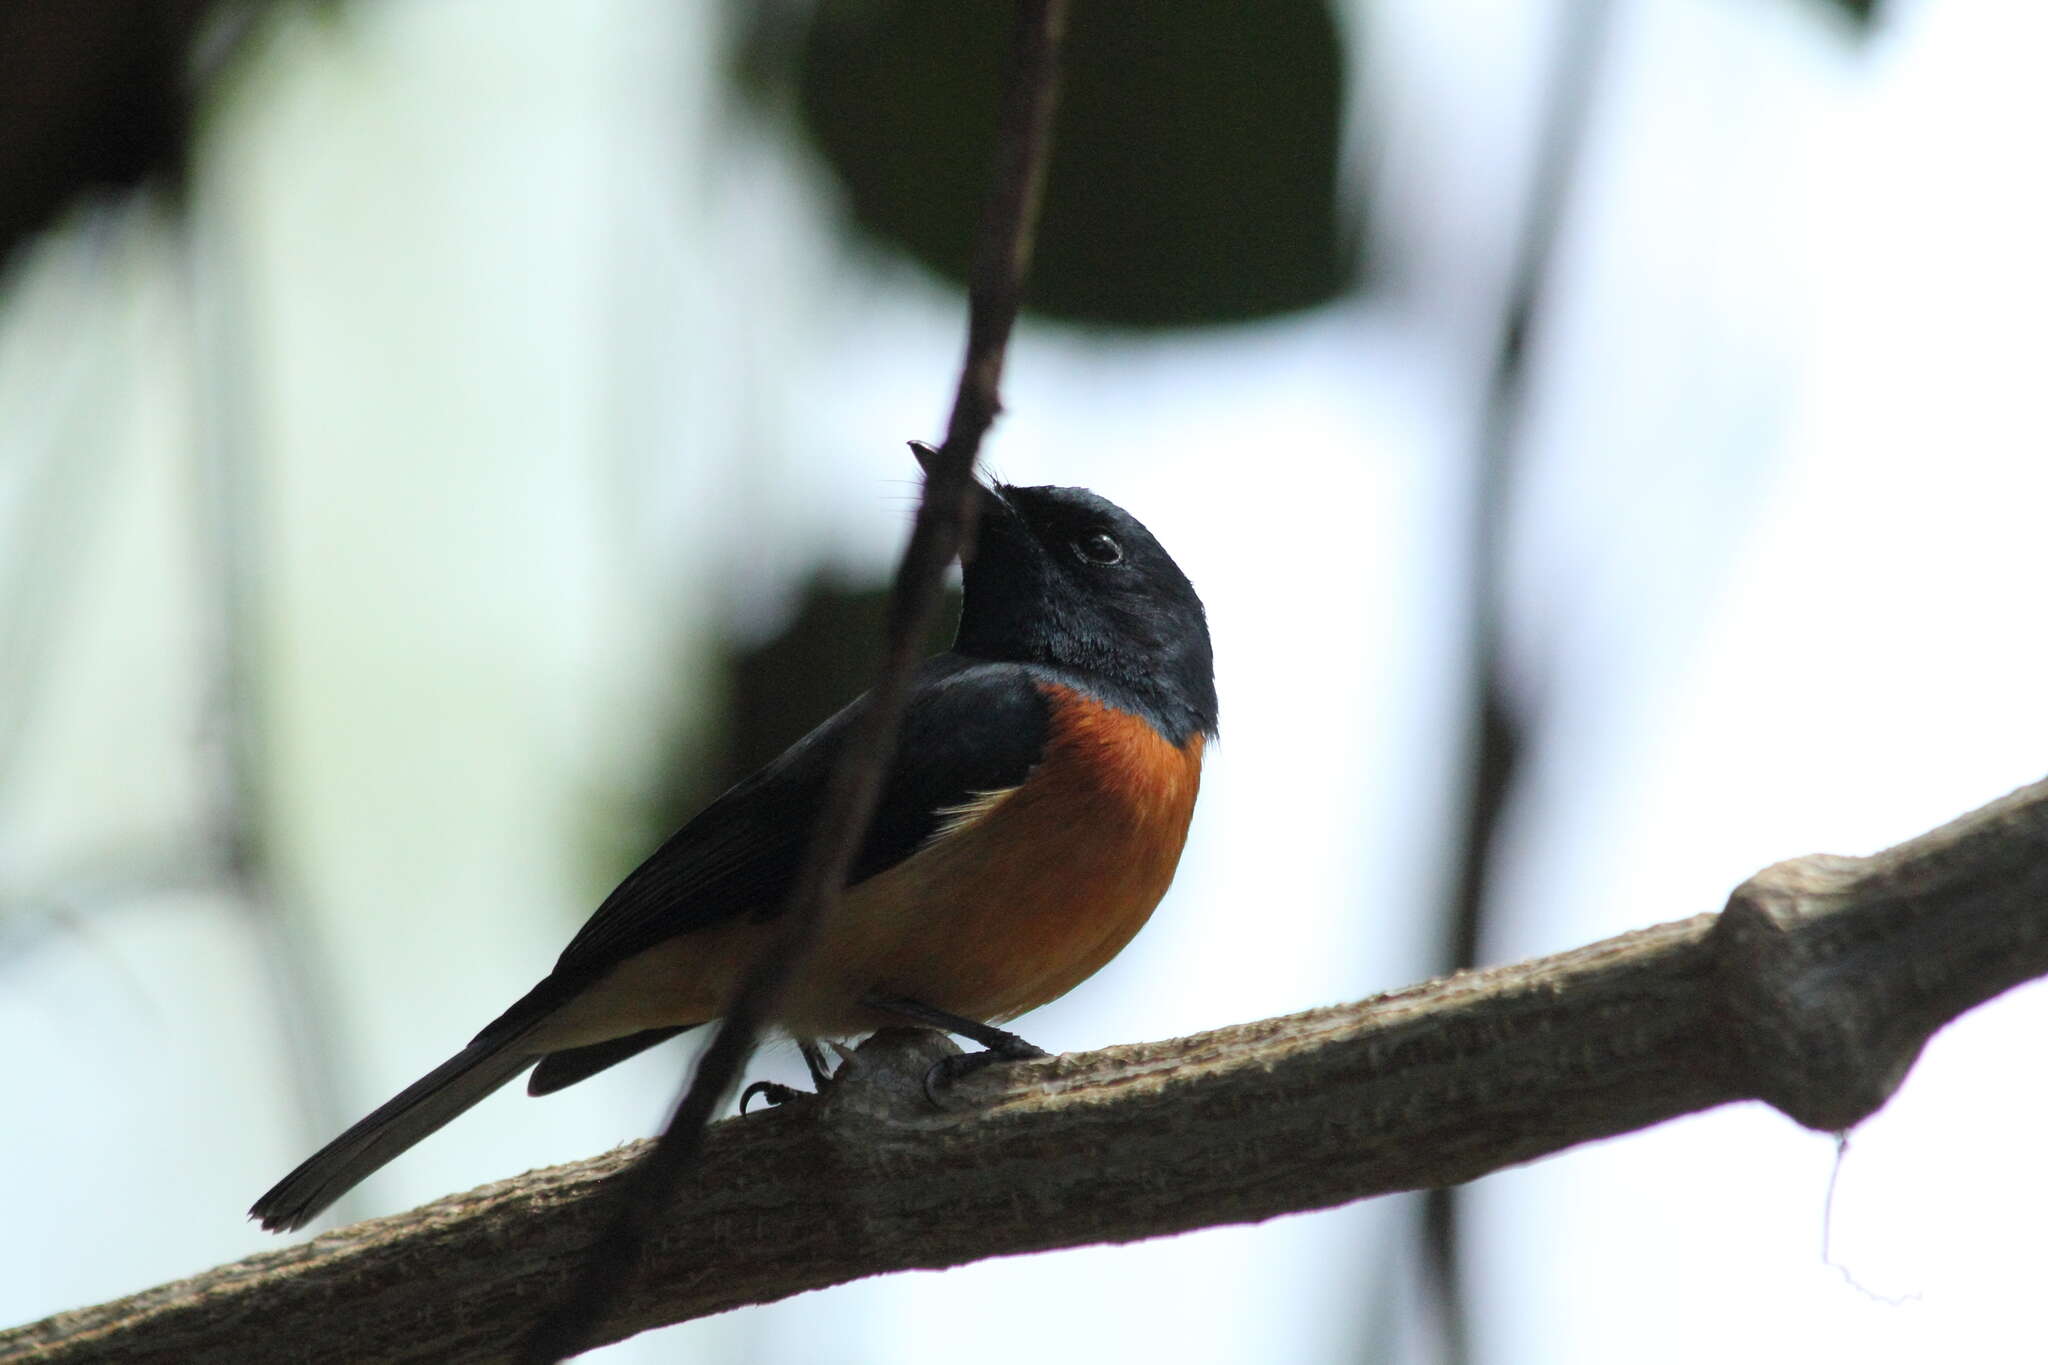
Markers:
point(1065, 578)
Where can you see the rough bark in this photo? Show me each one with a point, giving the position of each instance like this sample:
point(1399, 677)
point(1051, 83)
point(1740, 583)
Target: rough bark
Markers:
point(1813, 991)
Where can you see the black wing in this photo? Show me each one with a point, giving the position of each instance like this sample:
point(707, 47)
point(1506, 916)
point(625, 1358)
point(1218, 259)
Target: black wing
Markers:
point(972, 726)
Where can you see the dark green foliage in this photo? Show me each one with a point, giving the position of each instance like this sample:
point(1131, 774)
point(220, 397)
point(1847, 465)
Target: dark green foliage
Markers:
point(774, 692)
point(1194, 175)
point(93, 97)
point(827, 655)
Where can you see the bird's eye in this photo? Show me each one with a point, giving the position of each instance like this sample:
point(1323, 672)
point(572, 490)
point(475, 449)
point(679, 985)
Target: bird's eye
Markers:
point(1099, 548)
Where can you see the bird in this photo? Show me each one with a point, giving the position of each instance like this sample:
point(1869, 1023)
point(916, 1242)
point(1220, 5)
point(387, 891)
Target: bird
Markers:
point(1030, 820)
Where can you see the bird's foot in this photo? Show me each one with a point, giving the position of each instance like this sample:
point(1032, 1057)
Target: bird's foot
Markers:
point(1002, 1045)
point(947, 1070)
point(775, 1092)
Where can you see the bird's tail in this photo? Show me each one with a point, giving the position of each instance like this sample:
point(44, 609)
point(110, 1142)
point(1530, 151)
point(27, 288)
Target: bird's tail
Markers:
point(395, 1125)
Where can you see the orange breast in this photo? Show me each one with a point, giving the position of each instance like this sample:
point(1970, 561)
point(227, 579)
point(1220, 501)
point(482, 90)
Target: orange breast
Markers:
point(1032, 890)
point(1020, 898)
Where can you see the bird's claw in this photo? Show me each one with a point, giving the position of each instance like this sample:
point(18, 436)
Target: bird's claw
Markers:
point(774, 1092)
point(947, 1070)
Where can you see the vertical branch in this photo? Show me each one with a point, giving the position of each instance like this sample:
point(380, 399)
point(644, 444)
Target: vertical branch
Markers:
point(215, 309)
point(1495, 728)
point(944, 522)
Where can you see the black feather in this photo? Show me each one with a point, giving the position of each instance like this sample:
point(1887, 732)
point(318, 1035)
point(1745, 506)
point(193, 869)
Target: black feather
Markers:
point(973, 727)
point(560, 1070)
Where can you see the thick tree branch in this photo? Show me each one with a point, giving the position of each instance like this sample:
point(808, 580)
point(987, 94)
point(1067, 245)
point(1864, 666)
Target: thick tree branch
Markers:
point(1814, 991)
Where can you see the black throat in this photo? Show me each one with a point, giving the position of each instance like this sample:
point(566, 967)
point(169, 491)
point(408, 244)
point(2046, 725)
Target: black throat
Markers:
point(1144, 653)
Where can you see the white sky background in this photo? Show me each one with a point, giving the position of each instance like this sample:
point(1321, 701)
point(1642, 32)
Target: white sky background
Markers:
point(1776, 577)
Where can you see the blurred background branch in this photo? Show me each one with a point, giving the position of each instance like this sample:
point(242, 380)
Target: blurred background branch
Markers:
point(1497, 724)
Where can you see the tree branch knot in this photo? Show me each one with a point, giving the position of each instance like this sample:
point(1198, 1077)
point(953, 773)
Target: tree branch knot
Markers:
point(1801, 1039)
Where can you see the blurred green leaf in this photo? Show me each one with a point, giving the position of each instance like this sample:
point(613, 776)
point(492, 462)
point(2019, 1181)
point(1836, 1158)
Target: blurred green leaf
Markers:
point(774, 692)
point(1194, 176)
point(828, 654)
point(92, 96)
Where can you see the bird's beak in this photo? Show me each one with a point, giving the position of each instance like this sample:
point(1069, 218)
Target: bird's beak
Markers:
point(989, 503)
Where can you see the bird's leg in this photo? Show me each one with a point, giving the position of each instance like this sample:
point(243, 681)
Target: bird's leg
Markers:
point(1002, 1045)
point(1006, 1046)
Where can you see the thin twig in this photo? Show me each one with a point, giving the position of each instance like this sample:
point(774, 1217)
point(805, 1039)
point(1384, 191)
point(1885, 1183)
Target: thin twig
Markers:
point(944, 522)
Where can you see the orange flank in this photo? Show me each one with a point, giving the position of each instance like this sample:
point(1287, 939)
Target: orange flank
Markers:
point(1037, 887)
point(1021, 896)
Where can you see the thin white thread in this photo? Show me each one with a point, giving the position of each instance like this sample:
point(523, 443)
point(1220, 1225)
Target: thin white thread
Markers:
point(1827, 1236)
